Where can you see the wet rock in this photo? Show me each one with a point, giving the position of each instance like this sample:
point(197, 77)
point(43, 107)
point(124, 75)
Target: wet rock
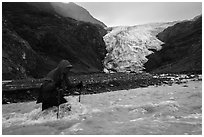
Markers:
point(185, 85)
point(165, 82)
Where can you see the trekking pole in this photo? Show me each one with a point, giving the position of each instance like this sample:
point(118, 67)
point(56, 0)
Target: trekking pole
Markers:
point(79, 95)
point(58, 101)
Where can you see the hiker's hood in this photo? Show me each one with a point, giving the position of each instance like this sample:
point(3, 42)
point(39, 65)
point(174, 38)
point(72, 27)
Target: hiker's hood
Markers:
point(56, 74)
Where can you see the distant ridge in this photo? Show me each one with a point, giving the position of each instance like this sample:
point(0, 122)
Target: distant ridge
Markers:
point(75, 11)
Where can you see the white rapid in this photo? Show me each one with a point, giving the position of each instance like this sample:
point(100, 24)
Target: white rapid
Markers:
point(166, 110)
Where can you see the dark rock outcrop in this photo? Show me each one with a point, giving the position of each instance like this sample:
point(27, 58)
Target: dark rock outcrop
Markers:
point(36, 38)
point(182, 51)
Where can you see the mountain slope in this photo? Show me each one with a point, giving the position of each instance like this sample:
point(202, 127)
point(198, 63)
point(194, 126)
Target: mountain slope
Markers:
point(182, 51)
point(35, 39)
point(75, 11)
point(128, 47)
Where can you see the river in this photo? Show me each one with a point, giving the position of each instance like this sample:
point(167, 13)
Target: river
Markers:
point(162, 110)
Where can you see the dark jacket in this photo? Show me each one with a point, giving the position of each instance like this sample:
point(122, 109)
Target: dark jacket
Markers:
point(55, 80)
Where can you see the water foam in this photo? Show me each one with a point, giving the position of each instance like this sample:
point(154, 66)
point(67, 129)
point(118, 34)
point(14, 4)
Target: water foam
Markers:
point(37, 116)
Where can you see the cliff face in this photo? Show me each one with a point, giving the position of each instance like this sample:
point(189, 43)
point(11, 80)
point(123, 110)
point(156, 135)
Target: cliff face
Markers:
point(182, 51)
point(35, 38)
point(15, 54)
point(128, 47)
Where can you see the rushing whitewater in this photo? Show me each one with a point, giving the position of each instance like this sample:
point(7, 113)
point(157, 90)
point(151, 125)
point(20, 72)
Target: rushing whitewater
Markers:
point(175, 109)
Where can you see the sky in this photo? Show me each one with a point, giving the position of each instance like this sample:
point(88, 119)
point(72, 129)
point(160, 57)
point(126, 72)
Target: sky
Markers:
point(134, 13)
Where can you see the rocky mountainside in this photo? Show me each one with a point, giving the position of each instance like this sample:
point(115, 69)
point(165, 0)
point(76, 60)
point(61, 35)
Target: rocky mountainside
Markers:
point(35, 38)
point(128, 46)
point(182, 51)
point(69, 10)
point(75, 11)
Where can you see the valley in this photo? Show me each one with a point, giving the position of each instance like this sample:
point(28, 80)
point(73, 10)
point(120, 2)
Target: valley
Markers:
point(143, 79)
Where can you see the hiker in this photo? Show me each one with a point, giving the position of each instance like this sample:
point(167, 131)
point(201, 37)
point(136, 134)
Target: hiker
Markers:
point(56, 82)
